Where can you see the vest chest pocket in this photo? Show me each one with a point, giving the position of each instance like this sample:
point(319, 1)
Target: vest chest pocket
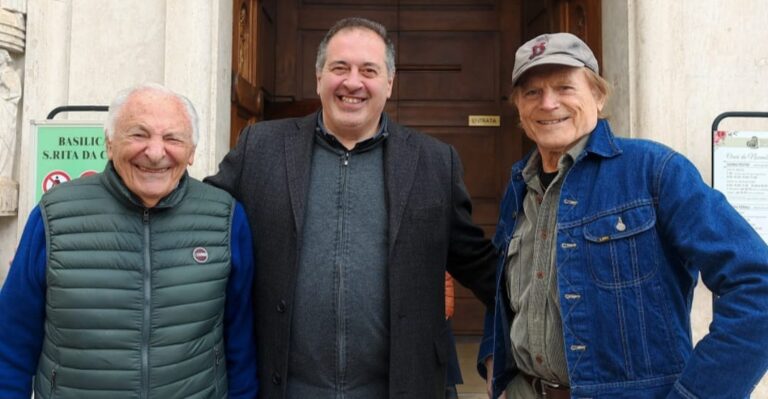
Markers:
point(622, 247)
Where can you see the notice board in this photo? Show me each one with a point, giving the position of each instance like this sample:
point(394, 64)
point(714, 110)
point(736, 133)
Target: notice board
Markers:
point(66, 150)
point(740, 171)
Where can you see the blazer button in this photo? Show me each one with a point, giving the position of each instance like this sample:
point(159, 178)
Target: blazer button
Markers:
point(276, 378)
point(281, 307)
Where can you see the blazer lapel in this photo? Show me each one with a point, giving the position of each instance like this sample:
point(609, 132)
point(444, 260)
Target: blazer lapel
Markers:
point(298, 159)
point(400, 160)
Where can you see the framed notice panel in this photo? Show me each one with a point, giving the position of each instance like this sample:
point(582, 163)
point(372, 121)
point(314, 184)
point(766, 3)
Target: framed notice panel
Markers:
point(740, 171)
point(66, 150)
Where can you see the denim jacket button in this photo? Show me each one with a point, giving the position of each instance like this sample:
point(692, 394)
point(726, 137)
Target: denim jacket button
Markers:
point(620, 226)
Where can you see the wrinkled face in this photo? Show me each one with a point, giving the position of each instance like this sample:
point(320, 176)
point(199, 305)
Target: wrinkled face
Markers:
point(354, 84)
point(151, 145)
point(557, 106)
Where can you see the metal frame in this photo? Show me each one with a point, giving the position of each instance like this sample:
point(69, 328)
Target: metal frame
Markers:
point(70, 108)
point(716, 123)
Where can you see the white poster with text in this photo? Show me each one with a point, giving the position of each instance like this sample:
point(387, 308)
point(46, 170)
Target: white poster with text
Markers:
point(740, 171)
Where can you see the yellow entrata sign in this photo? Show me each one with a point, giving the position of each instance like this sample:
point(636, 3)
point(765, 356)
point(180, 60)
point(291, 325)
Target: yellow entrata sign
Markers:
point(484, 120)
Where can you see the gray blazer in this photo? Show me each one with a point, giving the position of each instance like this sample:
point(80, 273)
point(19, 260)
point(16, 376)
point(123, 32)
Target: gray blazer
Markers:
point(430, 231)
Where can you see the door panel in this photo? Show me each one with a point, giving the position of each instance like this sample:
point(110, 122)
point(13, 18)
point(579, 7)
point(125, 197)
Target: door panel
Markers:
point(583, 19)
point(449, 67)
point(471, 17)
point(253, 36)
point(444, 66)
point(423, 114)
point(321, 18)
point(580, 17)
point(350, 2)
point(309, 42)
point(476, 151)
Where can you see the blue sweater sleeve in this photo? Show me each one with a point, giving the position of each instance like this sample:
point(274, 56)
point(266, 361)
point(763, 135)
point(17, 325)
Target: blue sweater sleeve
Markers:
point(22, 312)
point(238, 318)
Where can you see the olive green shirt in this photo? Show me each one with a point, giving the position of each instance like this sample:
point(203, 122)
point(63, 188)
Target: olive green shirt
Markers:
point(536, 331)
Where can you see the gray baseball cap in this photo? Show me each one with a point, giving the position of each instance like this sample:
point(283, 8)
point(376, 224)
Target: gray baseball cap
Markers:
point(553, 48)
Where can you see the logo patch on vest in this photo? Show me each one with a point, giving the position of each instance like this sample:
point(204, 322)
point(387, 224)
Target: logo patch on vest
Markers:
point(200, 254)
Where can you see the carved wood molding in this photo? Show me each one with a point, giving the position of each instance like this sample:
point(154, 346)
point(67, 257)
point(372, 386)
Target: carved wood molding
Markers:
point(245, 92)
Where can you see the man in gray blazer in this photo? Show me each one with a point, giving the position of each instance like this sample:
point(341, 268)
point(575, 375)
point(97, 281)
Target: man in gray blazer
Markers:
point(355, 220)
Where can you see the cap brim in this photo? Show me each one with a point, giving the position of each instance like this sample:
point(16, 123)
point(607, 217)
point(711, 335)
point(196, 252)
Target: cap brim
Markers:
point(551, 59)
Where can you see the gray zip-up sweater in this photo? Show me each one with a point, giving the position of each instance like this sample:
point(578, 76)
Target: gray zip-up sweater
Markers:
point(340, 340)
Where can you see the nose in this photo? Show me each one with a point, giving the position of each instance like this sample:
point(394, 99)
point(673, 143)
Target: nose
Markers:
point(155, 149)
point(353, 81)
point(549, 100)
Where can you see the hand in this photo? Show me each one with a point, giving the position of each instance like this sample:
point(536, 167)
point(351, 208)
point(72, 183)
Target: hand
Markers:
point(489, 379)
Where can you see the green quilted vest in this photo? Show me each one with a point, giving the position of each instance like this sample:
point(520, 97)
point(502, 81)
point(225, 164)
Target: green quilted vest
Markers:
point(135, 298)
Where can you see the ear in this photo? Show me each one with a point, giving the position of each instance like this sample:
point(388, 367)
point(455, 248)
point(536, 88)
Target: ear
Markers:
point(192, 156)
point(390, 83)
point(318, 76)
point(108, 144)
point(600, 101)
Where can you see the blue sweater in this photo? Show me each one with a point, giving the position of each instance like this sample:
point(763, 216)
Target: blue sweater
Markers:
point(22, 312)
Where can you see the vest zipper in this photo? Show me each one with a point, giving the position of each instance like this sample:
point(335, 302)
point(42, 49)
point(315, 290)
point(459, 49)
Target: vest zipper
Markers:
point(216, 361)
point(145, 327)
point(53, 382)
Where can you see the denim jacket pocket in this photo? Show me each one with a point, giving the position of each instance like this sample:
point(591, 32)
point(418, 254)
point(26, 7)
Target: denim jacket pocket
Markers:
point(622, 247)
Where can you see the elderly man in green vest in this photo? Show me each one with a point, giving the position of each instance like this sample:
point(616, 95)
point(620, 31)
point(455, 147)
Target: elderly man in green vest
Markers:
point(135, 282)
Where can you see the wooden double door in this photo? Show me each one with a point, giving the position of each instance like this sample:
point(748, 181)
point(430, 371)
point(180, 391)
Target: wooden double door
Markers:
point(454, 60)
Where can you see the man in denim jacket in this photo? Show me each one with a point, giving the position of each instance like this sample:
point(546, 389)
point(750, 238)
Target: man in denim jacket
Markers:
point(603, 240)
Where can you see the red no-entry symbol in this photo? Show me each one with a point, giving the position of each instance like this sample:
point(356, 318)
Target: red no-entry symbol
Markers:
point(54, 179)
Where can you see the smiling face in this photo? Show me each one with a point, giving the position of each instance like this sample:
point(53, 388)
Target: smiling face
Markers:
point(151, 146)
point(557, 106)
point(354, 84)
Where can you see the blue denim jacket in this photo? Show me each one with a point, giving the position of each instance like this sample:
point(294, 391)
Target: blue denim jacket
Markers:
point(635, 226)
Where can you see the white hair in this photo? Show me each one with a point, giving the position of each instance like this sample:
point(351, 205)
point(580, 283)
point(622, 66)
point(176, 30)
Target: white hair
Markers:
point(116, 106)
